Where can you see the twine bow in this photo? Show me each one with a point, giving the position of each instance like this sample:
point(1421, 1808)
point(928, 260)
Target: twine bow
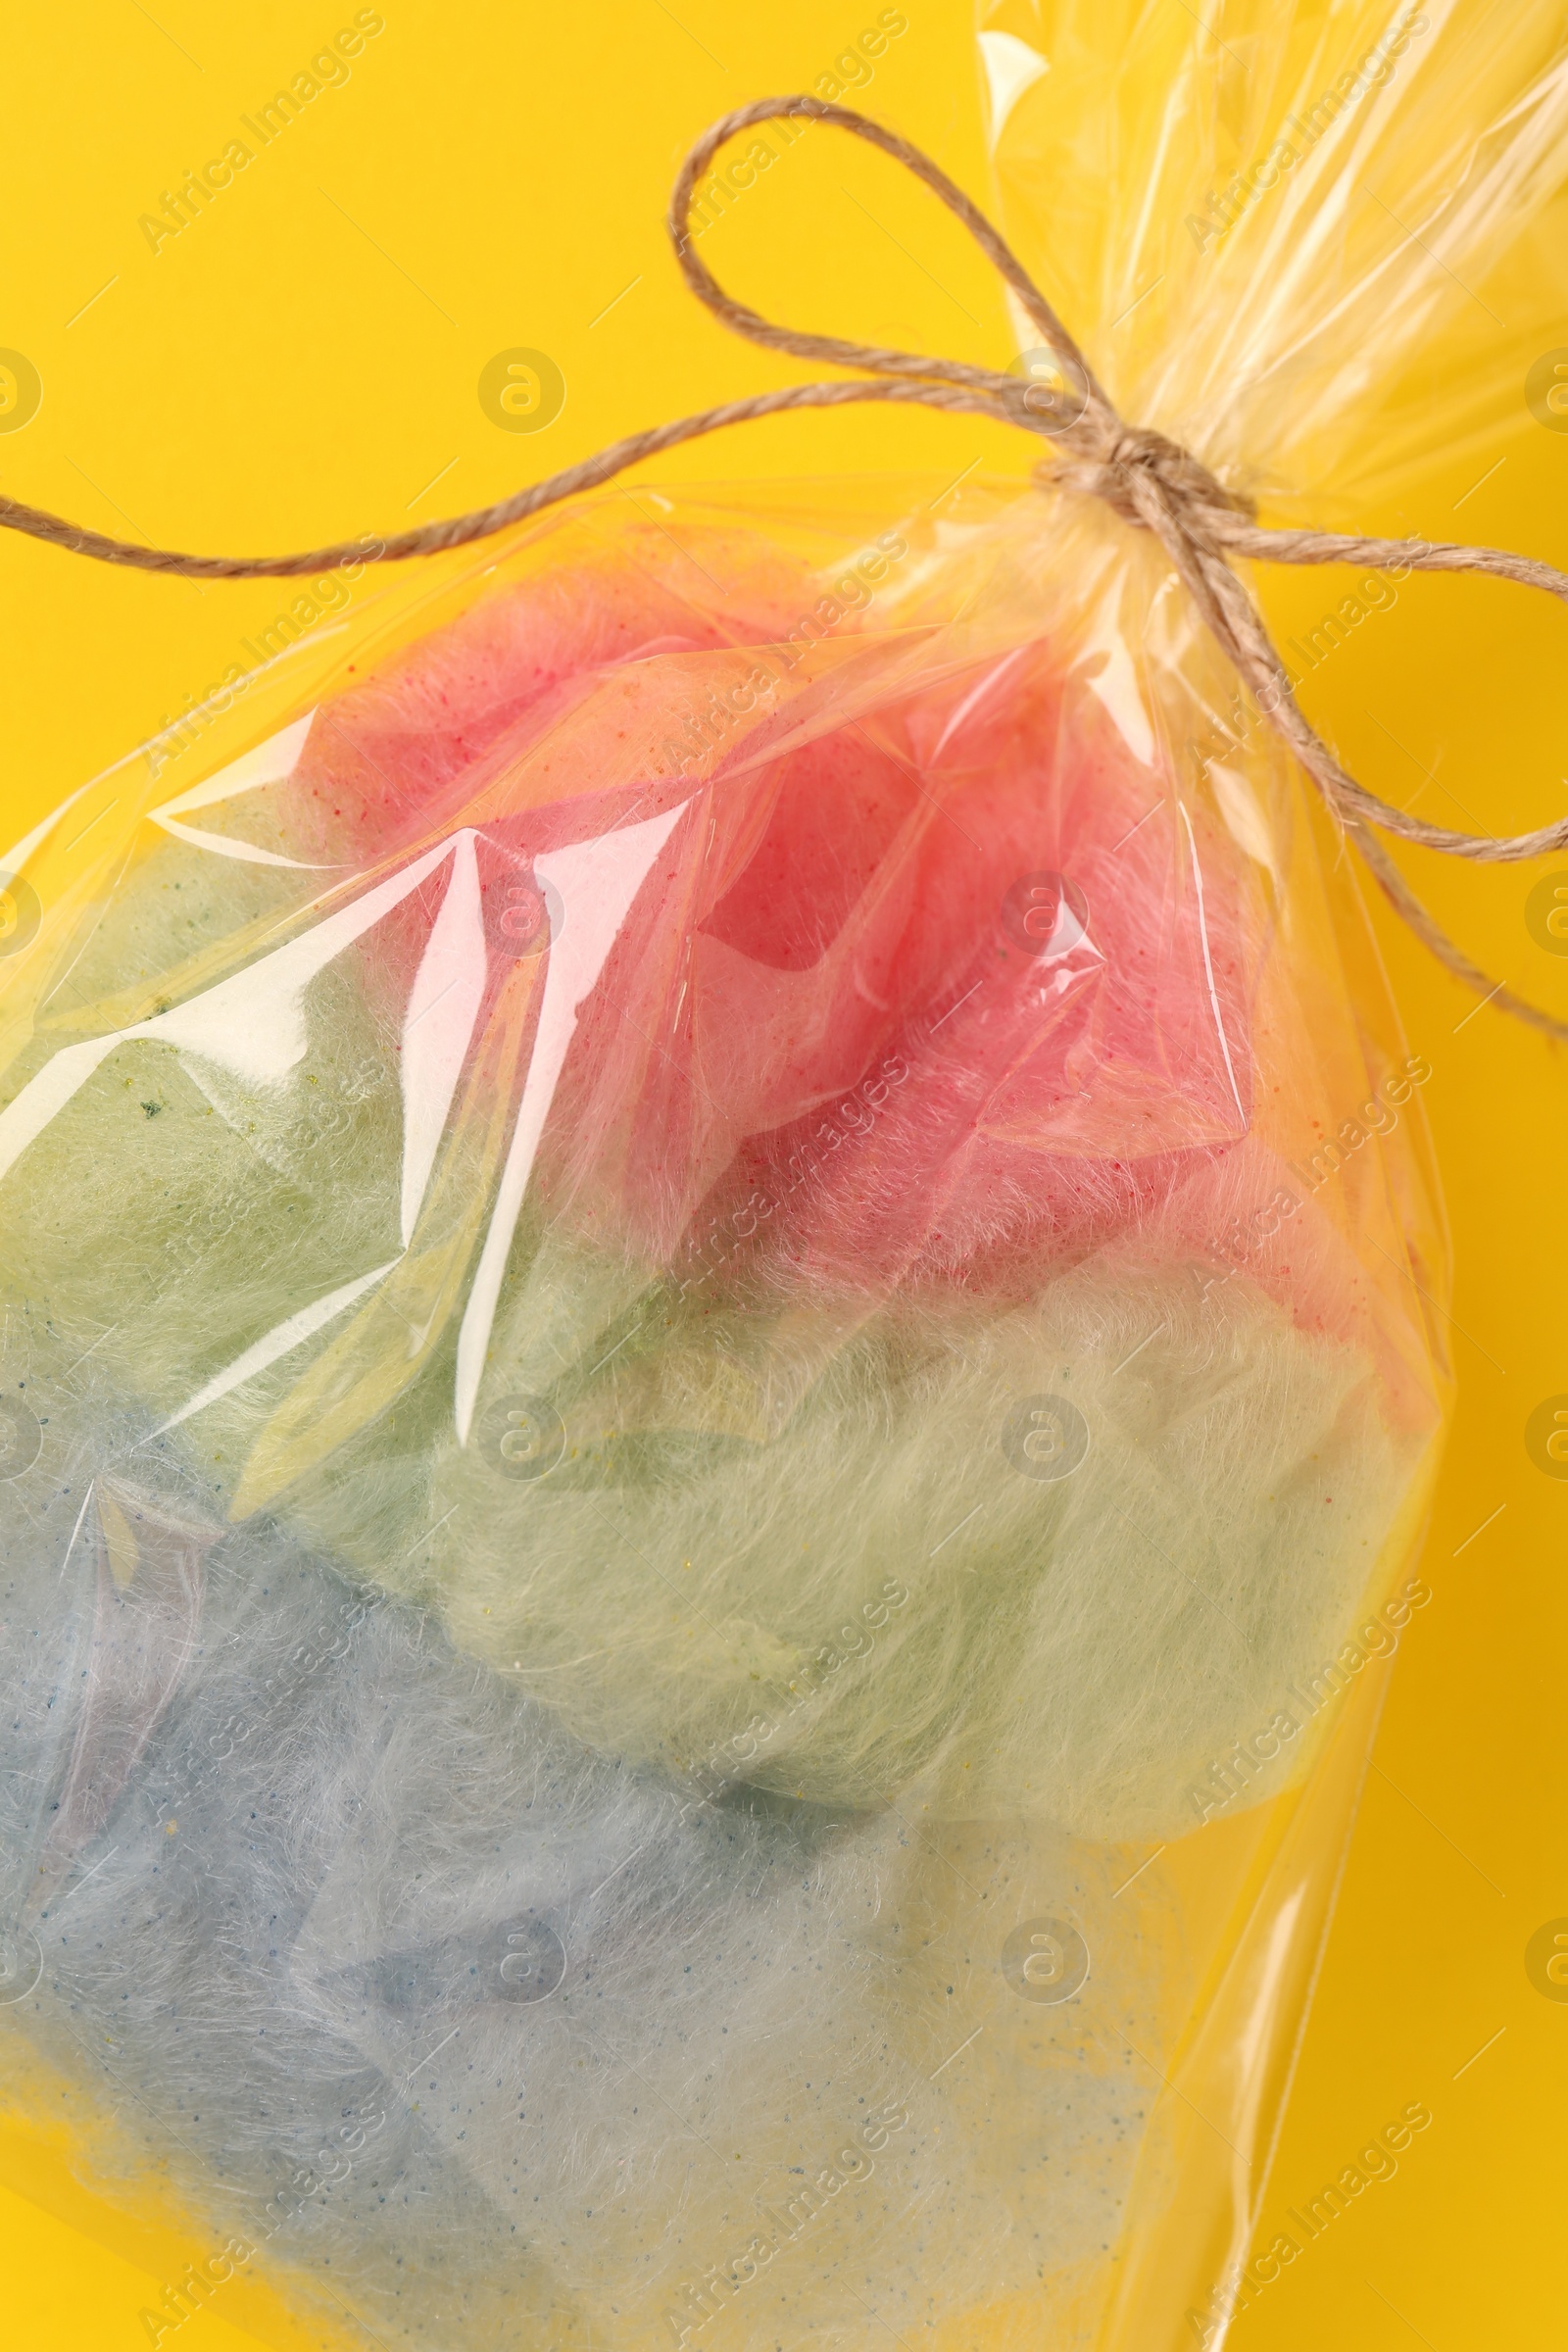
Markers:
point(1149, 481)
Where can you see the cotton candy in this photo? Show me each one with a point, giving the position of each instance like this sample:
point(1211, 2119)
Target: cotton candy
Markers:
point(1076, 1550)
point(655, 1204)
point(722, 1306)
point(469, 2026)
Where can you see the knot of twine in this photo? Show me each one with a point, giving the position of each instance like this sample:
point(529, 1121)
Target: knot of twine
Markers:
point(1149, 481)
point(1136, 467)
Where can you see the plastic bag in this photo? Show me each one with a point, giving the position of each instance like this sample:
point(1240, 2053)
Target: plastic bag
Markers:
point(718, 1357)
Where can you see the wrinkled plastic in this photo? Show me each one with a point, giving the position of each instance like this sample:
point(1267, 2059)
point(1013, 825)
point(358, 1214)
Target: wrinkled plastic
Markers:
point(719, 1361)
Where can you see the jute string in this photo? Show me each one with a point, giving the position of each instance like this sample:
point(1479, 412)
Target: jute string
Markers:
point(1148, 480)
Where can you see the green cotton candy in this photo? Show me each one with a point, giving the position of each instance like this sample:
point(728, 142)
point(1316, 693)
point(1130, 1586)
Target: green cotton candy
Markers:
point(1059, 1557)
point(1063, 1556)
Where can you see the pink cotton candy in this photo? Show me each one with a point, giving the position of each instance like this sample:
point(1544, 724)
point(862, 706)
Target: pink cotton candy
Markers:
point(862, 1047)
point(934, 993)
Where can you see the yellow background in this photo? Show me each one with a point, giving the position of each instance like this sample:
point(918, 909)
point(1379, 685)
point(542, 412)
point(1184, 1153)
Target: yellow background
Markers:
point(302, 363)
